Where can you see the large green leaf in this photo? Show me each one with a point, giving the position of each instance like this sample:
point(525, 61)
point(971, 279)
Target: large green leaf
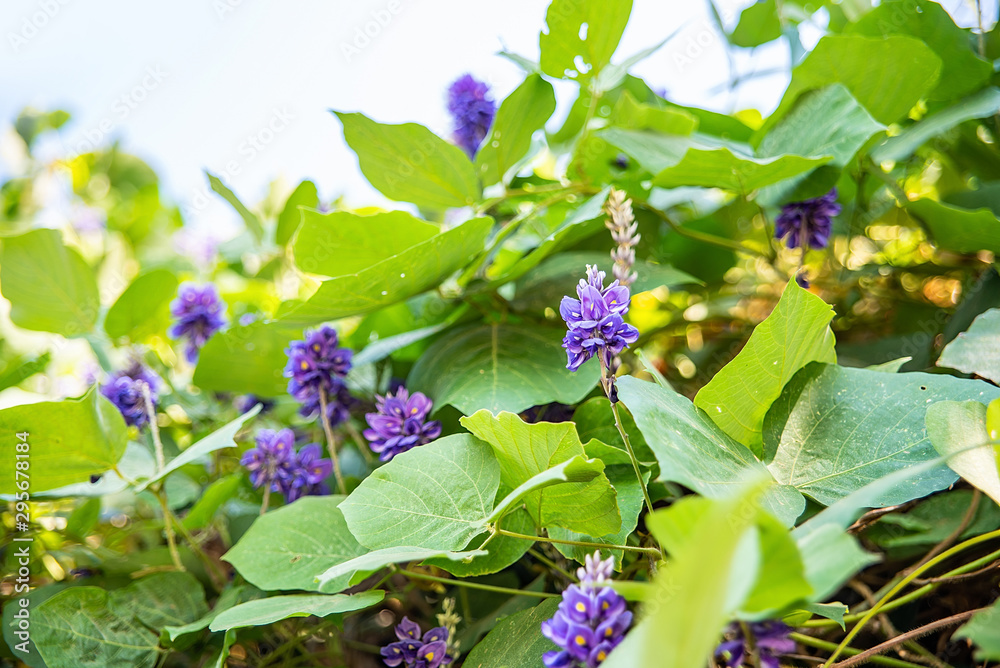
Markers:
point(414, 270)
point(721, 168)
point(956, 229)
point(654, 151)
point(49, 286)
point(436, 496)
point(266, 611)
point(831, 557)
point(248, 359)
point(835, 429)
point(486, 366)
point(341, 243)
point(955, 428)
point(90, 627)
point(984, 631)
point(581, 36)
point(137, 310)
point(69, 441)
point(234, 594)
point(516, 641)
point(211, 499)
point(286, 548)
point(249, 218)
point(305, 195)
point(976, 350)
point(526, 450)
point(797, 332)
point(523, 112)
point(502, 550)
point(759, 23)
point(694, 451)
point(22, 367)
point(372, 560)
point(409, 163)
point(631, 114)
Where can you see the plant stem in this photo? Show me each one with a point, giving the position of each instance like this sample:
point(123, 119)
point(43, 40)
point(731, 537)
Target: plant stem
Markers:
point(216, 574)
point(154, 428)
point(168, 528)
point(722, 242)
point(580, 543)
point(157, 489)
point(476, 585)
point(331, 442)
point(809, 641)
point(551, 564)
point(909, 635)
point(267, 499)
point(631, 455)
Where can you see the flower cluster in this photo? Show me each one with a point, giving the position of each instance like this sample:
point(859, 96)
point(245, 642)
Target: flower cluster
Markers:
point(770, 638)
point(591, 619)
point(317, 366)
point(807, 224)
point(400, 423)
point(472, 111)
point(414, 650)
point(275, 465)
point(623, 228)
point(595, 321)
point(198, 313)
point(124, 390)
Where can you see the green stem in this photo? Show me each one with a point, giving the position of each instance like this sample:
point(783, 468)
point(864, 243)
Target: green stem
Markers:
point(551, 564)
point(809, 641)
point(476, 585)
point(580, 543)
point(696, 235)
point(331, 442)
point(631, 455)
point(168, 528)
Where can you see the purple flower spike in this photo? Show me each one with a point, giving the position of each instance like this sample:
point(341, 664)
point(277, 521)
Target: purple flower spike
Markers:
point(400, 423)
point(472, 111)
point(271, 463)
point(316, 364)
point(413, 650)
point(591, 619)
point(199, 313)
point(771, 639)
point(309, 472)
point(594, 321)
point(124, 390)
point(807, 224)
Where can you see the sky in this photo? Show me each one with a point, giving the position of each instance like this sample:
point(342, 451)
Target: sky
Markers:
point(244, 88)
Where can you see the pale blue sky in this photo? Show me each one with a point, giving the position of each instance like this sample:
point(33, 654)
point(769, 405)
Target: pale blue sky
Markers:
point(184, 84)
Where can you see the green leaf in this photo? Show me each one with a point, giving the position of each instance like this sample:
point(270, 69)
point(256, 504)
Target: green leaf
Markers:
point(341, 243)
point(137, 311)
point(694, 451)
point(981, 105)
point(216, 494)
point(522, 113)
point(956, 229)
point(831, 557)
point(49, 286)
point(69, 441)
point(976, 350)
point(34, 598)
point(887, 76)
point(516, 641)
point(246, 359)
point(20, 369)
point(835, 429)
point(381, 348)
point(399, 277)
point(305, 195)
point(285, 548)
point(797, 332)
point(655, 152)
point(721, 168)
point(581, 36)
point(266, 611)
point(526, 450)
point(595, 421)
point(579, 469)
point(249, 218)
point(631, 114)
point(374, 560)
point(984, 632)
point(931, 521)
point(759, 24)
point(956, 426)
point(409, 163)
point(218, 439)
point(436, 496)
point(174, 636)
point(503, 550)
point(485, 366)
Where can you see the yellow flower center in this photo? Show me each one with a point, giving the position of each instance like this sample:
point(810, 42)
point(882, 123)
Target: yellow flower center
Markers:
point(602, 655)
point(581, 641)
point(305, 365)
point(430, 656)
point(581, 607)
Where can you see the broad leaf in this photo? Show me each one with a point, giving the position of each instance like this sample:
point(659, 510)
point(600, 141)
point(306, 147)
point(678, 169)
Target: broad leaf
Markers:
point(581, 36)
point(266, 611)
point(249, 218)
point(374, 560)
point(759, 23)
point(956, 229)
point(522, 113)
point(500, 367)
point(49, 286)
point(503, 551)
point(138, 310)
point(248, 359)
point(955, 428)
point(976, 350)
point(831, 558)
point(797, 332)
point(515, 642)
point(211, 499)
point(232, 595)
point(20, 368)
point(721, 168)
point(304, 195)
point(409, 163)
point(631, 114)
point(655, 152)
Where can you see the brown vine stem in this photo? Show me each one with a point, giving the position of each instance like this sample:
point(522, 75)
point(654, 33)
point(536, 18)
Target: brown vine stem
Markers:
point(476, 585)
point(331, 442)
point(816, 643)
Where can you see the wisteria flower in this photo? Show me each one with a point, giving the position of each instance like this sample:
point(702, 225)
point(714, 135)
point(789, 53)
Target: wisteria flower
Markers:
point(309, 470)
point(416, 650)
point(199, 313)
point(472, 111)
point(771, 639)
point(591, 619)
point(316, 365)
point(124, 389)
point(594, 321)
point(271, 463)
point(400, 423)
point(807, 224)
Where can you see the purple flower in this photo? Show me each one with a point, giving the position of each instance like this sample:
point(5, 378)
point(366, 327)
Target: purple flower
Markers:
point(316, 364)
point(807, 224)
point(124, 390)
point(472, 111)
point(594, 321)
point(771, 639)
point(309, 472)
point(414, 650)
point(199, 313)
point(271, 463)
point(400, 423)
point(591, 619)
